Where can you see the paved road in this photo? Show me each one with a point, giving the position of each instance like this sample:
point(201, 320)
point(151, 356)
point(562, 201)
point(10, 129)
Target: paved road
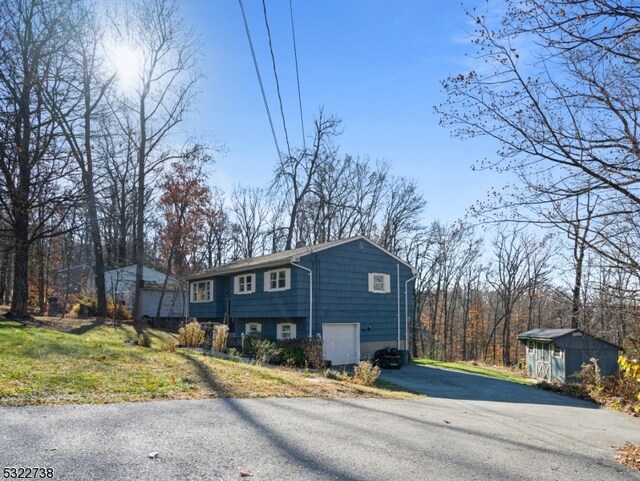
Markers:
point(459, 433)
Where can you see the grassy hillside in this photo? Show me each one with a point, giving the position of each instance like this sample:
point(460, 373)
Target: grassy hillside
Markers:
point(496, 373)
point(82, 362)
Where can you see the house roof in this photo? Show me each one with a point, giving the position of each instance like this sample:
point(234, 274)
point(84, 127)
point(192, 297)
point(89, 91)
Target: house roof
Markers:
point(280, 258)
point(546, 334)
point(127, 275)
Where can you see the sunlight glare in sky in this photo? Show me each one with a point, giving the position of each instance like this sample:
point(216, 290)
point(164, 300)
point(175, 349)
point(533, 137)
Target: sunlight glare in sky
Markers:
point(127, 62)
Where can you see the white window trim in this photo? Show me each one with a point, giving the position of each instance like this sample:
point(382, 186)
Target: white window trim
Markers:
point(386, 283)
point(280, 328)
point(247, 327)
point(208, 289)
point(287, 280)
point(236, 284)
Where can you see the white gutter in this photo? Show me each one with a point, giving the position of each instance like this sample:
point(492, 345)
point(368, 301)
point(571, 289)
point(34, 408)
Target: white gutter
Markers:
point(293, 263)
point(188, 299)
point(398, 288)
point(406, 312)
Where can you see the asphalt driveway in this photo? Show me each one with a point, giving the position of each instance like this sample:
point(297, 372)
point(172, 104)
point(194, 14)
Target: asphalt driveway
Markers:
point(443, 437)
point(449, 384)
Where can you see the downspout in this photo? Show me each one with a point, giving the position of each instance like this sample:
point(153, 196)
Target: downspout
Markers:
point(293, 263)
point(406, 312)
point(188, 299)
point(398, 289)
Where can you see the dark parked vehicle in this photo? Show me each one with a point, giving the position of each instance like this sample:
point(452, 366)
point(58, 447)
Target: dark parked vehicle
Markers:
point(387, 358)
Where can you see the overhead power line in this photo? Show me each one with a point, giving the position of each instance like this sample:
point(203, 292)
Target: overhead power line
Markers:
point(264, 96)
point(295, 56)
point(275, 74)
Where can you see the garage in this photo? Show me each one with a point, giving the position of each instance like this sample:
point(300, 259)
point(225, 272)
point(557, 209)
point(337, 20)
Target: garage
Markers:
point(341, 343)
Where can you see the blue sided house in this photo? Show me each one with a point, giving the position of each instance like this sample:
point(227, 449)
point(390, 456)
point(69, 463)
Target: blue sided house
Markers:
point(352, 293)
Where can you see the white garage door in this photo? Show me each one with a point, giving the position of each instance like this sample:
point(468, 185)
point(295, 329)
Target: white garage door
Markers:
point(341, 343)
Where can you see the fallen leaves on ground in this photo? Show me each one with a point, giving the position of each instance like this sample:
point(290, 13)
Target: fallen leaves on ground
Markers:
point(629, 455)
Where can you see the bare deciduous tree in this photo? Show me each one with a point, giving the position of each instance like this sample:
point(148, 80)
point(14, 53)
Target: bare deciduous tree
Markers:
point(556, 85)
point(250, 207)
point(76, 118)
point(295, 174)
point(162, 96)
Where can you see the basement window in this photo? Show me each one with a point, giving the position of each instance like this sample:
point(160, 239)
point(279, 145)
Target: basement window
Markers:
point(252, 327)
point(286, 331)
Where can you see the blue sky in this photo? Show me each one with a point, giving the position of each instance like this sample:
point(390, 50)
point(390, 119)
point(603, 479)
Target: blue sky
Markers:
point(376, 64)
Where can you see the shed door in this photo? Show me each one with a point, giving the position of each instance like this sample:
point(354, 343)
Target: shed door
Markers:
point(341, 343)
point(543, 360)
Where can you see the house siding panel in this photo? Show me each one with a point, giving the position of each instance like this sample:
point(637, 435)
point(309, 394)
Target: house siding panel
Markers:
point(342, 294)
point(209, 310)
point(277, 304)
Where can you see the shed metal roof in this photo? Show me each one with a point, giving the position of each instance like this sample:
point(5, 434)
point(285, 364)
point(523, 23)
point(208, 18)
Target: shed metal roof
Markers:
point(280, 258)
point(545, 334)
point(127, 275)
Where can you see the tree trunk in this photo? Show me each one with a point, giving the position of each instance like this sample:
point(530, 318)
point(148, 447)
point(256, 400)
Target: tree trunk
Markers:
point(434, 320)
point(577, 287)
point(506, 339)
point(4, 276)
point(101, 293)
point(139, 240)
point(41, 278)
point(20, 299)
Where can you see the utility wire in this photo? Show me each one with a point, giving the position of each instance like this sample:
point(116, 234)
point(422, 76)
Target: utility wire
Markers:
point(275, 74)
point(295, 56)
point(264, 96)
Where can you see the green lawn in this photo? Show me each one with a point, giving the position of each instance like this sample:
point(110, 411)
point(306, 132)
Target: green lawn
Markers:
point(496, 373)
point(85, 362)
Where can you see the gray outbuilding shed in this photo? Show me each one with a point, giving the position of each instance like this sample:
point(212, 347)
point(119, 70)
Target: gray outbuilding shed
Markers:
point(558, 354)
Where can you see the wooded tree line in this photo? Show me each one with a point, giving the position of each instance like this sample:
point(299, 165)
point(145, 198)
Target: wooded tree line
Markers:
point(474, 296)
point(92, 172)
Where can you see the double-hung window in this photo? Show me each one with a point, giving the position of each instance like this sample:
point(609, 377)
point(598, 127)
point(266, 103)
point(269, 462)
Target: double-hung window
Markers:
point(379, 283)
point(244, 284)
point(202, 291)
point(277, 280)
